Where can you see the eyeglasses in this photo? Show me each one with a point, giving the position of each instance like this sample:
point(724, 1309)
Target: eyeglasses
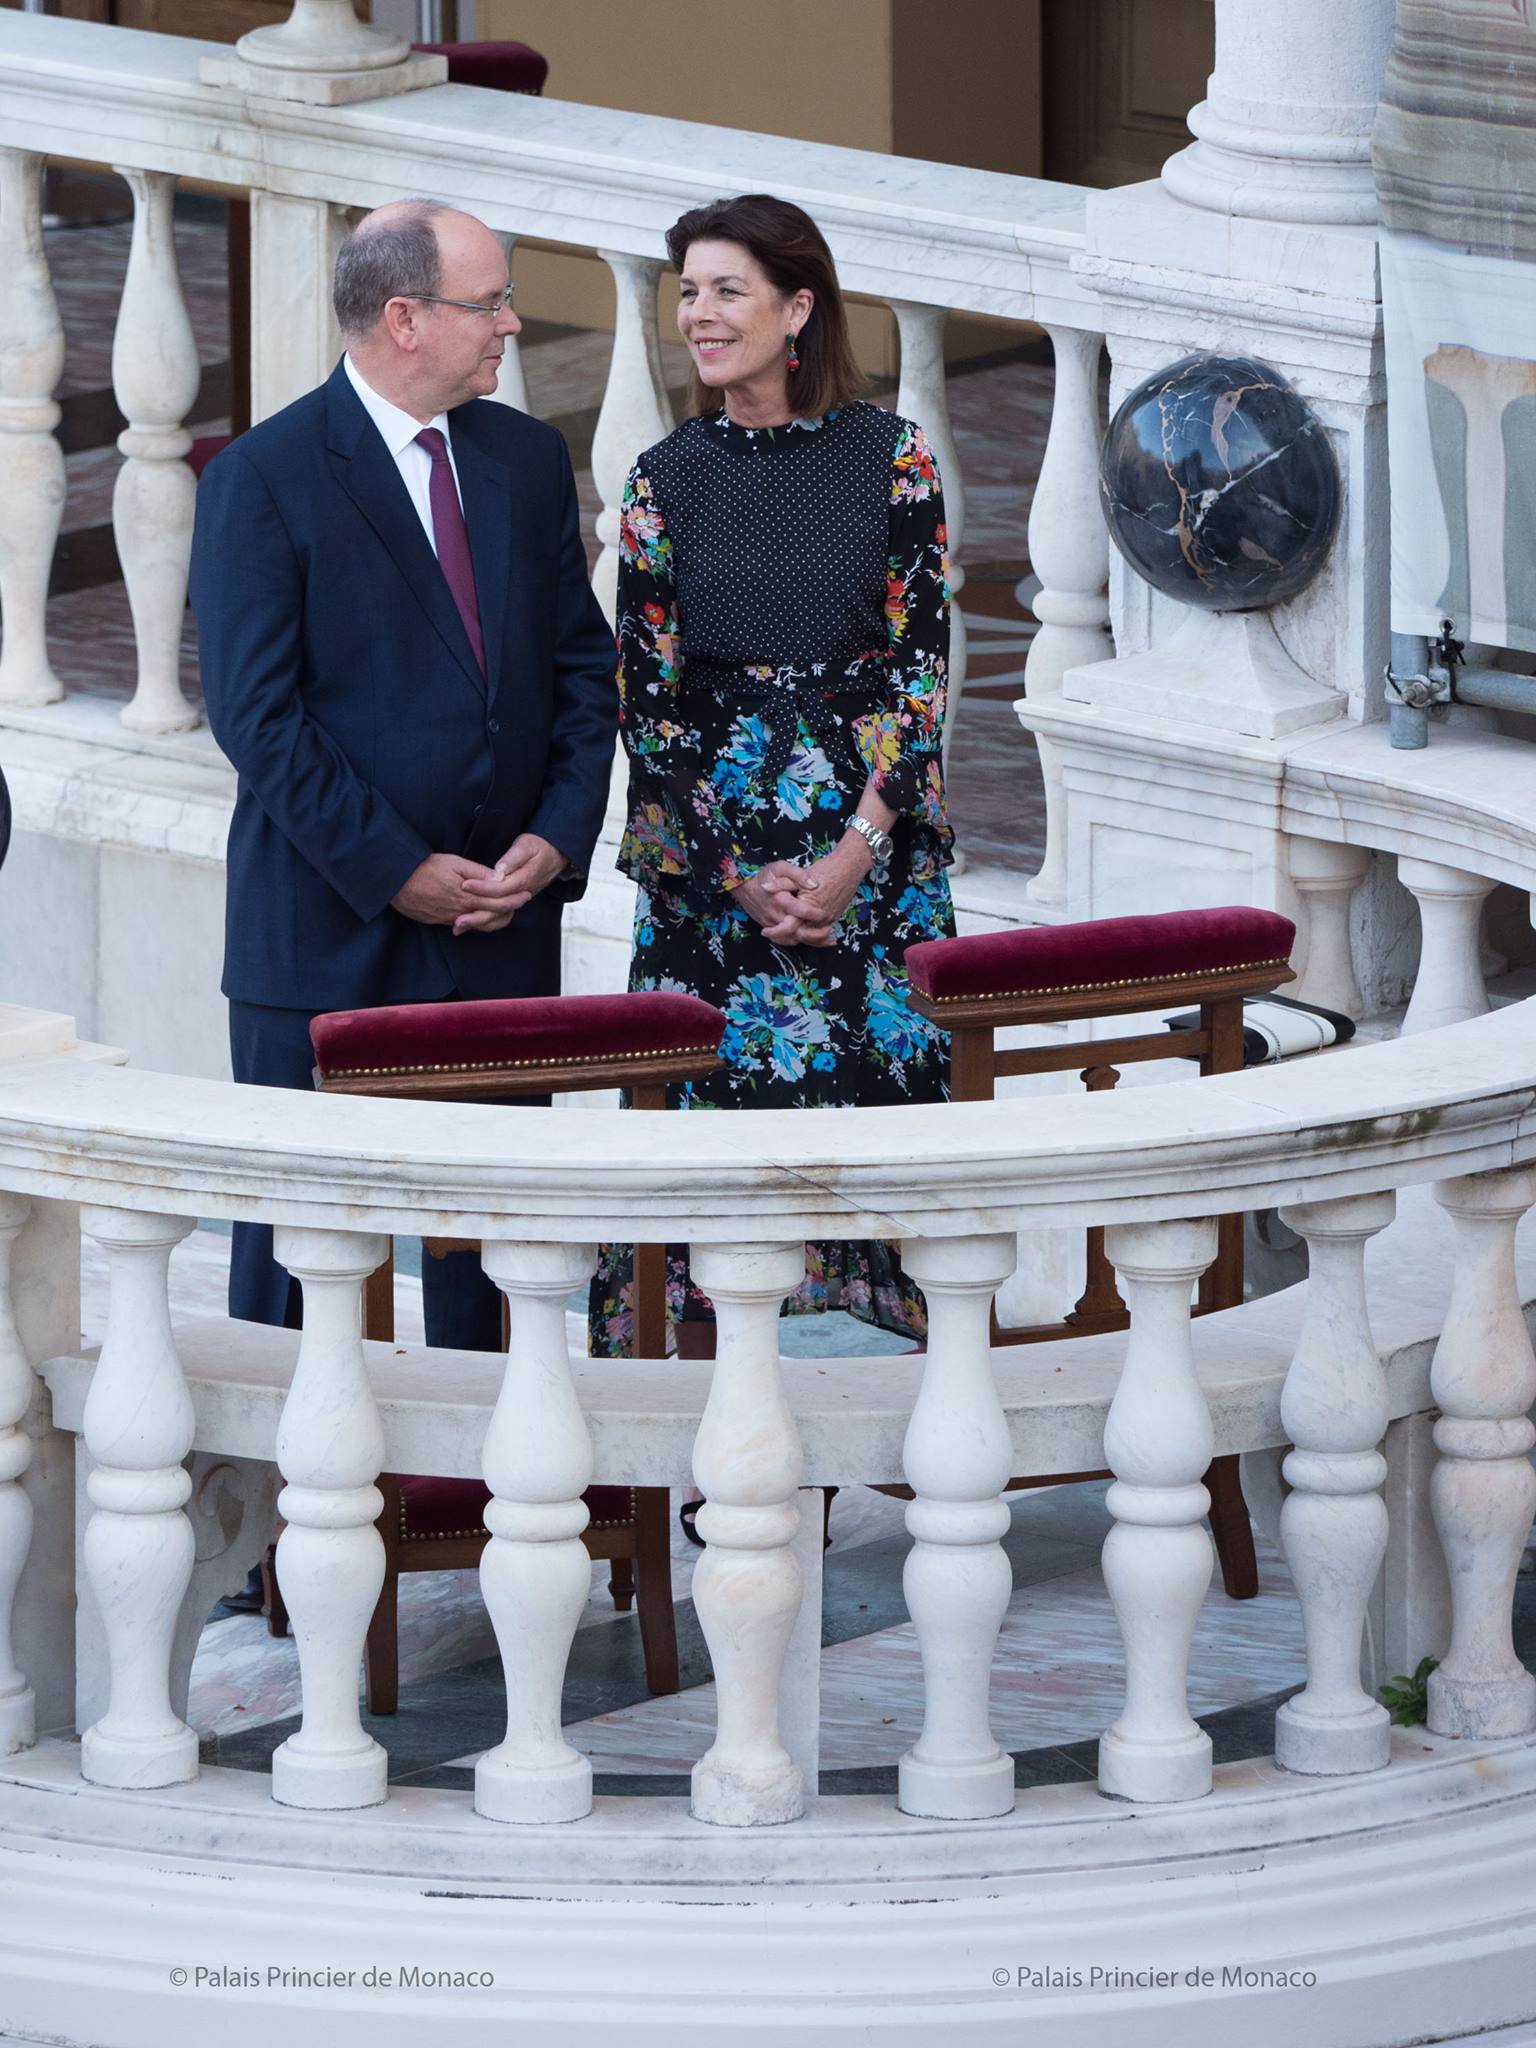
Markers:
point(489, 312)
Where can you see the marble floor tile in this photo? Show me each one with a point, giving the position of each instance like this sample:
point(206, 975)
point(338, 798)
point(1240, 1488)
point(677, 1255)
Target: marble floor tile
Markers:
point(1057, 1678)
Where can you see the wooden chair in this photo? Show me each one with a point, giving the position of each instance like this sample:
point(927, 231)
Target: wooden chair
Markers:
point(500, 1051)
point(1066, 974)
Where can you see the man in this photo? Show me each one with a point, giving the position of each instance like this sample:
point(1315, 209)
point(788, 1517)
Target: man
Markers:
point(404, 661)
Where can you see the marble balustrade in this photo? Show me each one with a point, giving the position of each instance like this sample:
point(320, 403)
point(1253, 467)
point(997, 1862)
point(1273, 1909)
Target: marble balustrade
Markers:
point(1330, 1141)
point(929, 239)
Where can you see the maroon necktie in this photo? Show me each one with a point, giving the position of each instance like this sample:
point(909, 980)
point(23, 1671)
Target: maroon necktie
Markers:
point(452, 539)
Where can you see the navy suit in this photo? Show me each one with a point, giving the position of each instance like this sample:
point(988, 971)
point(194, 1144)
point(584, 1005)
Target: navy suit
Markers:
point(341, 684)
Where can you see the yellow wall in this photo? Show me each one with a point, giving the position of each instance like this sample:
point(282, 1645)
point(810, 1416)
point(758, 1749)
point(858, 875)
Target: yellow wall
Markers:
point(957, 85)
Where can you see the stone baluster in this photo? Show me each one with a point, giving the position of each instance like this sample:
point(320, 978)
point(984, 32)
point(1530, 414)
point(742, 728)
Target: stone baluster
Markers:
point(139, 1544)
point(923, 396)
point(746, 1586)
point(1326, 874)
point(511, 384)
point(635, 413)
point(1448, 987)
point(1333, 1524)
point(330, 1557)
point(31, 460)
point(535, 1574)
point(155, 376)
point(1157, 1558)
point(1483, 1490)
point(1069, 553)
point(957, 1459)
point(17, 1385)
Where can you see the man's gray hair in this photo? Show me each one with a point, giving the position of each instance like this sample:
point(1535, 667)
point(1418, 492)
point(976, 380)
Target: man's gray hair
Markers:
point(384, 260)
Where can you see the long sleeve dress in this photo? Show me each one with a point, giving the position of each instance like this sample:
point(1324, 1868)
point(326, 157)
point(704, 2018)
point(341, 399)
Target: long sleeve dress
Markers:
point(783, 622)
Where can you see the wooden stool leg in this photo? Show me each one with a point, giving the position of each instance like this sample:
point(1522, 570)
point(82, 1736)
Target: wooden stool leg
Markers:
point(653, 1572)
point(1231, 1530)
point(381, 1650)
point(621, 1583)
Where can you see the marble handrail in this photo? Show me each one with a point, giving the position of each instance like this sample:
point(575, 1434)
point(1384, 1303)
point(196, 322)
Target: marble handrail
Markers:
point(1452, 1101)
point(938, 234)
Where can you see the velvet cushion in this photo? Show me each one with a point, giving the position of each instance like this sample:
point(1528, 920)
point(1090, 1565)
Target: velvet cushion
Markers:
point(503, 67)
point(1105, 952)
point(203, 450)
point(521, 1031)
point(431, 1506)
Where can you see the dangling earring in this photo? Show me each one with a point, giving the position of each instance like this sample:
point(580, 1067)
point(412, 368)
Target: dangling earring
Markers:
point(792, 360)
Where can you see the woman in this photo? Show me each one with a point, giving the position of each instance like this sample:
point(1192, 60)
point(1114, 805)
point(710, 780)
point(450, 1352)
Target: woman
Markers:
point(783, 636)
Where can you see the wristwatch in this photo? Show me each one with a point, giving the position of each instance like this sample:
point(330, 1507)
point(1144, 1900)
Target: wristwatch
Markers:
point(880, 844)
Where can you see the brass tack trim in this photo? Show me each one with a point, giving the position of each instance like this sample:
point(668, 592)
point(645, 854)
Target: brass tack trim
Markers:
point(582, 1059)
point(408, 1535)
point(1087, 988)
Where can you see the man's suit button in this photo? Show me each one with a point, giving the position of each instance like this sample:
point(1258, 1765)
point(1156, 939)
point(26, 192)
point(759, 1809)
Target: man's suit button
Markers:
point(478, 809)
point(494, 725)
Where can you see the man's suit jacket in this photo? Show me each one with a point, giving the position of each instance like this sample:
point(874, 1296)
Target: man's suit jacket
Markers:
point(341, 684)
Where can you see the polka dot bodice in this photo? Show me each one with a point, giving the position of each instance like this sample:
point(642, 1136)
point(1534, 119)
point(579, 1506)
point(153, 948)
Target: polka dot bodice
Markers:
point(783, 628)
point(781, 534)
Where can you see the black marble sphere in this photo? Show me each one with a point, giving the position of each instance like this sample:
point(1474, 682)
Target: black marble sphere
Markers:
point(1220, 485)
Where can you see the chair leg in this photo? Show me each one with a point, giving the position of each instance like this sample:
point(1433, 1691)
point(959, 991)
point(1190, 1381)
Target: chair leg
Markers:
point(273, 1606)
point(1232, 1530)
point(381, 1651)
point(621, 1583)
point(653, 1573)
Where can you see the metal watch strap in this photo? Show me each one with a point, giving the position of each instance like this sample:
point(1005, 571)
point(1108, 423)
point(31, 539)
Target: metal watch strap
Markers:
point(880, 844)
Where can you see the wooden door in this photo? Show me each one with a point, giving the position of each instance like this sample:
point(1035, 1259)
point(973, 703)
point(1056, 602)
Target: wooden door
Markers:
point(1117, 79)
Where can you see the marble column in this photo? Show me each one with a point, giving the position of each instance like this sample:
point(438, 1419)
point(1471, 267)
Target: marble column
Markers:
point(635, 412)
point(511, 384)
point(535, 1573)
point(1333, 1523)
point(1284, 130)
point(1483, 1490)
point(1326, 874)
point(957, 1459)
point(330, 1556)
point(746, 1587)
point(155, 376)
point(18, 1384)
point(1157, 1558)
point(138, 1427)
point(31, 460)
point(1449, 987)
point(1069, 553)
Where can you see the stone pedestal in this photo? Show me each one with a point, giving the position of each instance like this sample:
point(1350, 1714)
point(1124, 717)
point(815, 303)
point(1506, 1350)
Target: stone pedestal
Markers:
point(1255, 242)
point(322, 56)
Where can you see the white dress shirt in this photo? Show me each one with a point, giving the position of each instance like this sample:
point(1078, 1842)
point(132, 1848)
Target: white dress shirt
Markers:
point(399, 430)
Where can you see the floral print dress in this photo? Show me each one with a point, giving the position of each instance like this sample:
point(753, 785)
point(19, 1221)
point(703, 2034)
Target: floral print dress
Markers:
point(783, 622)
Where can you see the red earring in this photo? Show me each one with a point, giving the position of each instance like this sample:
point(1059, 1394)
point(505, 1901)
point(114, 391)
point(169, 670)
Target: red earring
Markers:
point(792, 360)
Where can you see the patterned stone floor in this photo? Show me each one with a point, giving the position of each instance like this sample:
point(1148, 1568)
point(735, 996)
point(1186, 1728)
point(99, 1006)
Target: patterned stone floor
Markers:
point(1000, 409)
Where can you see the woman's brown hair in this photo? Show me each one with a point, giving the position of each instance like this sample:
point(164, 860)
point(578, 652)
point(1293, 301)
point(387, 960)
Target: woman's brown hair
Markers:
point(793, 252)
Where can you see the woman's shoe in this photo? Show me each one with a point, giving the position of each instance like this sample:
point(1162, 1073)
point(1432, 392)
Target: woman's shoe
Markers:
point(688, 1515)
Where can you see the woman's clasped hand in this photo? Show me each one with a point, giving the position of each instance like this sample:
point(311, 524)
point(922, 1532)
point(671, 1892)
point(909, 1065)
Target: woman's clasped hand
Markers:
point(802, 906)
